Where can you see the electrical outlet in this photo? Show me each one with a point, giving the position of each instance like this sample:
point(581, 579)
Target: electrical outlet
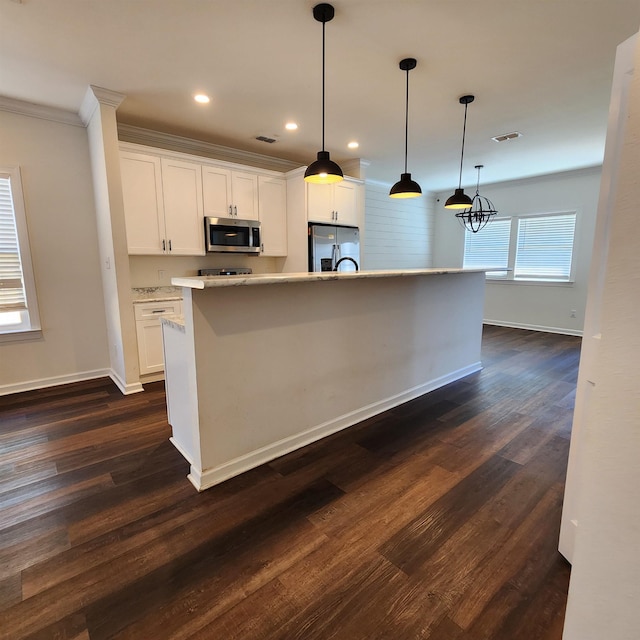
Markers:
point(161, 273)
point(573, 313)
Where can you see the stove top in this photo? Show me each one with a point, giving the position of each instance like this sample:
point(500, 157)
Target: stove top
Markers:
point(225, 271)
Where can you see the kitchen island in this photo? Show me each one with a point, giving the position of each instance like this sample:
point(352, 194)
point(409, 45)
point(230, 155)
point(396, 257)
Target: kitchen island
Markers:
point(260, 365)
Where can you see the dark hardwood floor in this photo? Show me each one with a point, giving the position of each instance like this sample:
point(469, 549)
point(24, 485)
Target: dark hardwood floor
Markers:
point(438, 519)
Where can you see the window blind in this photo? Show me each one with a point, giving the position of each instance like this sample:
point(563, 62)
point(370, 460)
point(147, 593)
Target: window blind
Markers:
point(11, 282)
point(489, 248)
point(545, 247)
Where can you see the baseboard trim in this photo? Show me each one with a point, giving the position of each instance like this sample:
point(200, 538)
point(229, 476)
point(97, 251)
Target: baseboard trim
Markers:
point(204, 479)
point(127, 389)
point(54, 381)
point(534, 327)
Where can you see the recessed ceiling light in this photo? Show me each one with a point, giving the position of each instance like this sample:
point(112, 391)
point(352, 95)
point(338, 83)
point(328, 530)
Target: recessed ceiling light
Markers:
point(291, 126)
point(507, 136)
point(201, 98)
point(353, 145)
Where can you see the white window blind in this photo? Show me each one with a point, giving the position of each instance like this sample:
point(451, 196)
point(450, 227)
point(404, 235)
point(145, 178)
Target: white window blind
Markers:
point(489, 248)
point(545, 247)
point(12, 295)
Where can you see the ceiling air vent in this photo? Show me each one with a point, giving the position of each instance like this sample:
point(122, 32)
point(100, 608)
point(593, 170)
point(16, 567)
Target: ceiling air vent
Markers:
point(507, 136)
point(266, 139)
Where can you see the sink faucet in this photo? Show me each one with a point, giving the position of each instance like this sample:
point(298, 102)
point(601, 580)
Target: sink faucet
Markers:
point(342, 260)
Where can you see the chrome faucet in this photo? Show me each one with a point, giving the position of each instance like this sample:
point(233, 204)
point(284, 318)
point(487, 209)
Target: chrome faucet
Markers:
point(342, 260)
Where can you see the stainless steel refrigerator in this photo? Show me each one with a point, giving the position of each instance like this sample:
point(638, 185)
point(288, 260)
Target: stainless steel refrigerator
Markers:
point(333, 248)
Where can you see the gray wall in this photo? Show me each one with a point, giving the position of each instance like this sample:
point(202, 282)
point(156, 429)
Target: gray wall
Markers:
point(540, 306)
point(56, 179)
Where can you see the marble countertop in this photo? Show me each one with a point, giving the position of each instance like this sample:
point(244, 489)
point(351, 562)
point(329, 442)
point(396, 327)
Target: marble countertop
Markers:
point(156, 294)
point(205, 282)
point(177, 322)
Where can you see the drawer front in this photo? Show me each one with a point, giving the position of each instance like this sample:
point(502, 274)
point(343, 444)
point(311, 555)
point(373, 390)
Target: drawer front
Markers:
point(150, 310)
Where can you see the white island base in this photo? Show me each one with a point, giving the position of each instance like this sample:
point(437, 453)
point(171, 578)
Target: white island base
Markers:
point(265, 364)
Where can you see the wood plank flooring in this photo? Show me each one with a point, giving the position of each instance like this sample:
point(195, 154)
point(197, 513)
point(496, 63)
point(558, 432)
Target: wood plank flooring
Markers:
point(438, 519)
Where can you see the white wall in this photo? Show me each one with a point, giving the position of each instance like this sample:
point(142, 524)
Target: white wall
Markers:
point(399, 232)
point(545, 307)
point(604, 591)
point(56, 177)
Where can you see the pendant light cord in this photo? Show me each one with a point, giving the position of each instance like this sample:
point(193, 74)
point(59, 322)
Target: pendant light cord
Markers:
point(406, 124)
point(464, 130)
point(323, 26)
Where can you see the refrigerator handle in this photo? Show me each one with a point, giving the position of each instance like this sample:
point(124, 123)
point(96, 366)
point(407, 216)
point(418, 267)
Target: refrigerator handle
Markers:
point(334, 256)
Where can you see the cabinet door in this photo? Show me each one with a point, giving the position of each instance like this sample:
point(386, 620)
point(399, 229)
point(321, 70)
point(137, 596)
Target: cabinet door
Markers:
point(320, 206)
point(183, 211)
point(150, 352)
point(149, 333)
point(244, 195)
point(143, 205)
point(272, 213)
point(216, 191)
point(346, 203)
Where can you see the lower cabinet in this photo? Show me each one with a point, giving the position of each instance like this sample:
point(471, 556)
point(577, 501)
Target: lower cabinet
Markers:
point(149, 333)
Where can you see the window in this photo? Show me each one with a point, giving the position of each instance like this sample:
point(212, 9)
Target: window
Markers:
point(535, 248)
point(491, 249)
point(545, 247)
point(18, 305)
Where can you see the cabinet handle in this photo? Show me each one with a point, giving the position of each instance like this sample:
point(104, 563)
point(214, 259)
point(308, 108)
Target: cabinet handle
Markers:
point(262, 246)
point(158, 311)
point(164, 245)
point(169, 245)
point(230, 210)
point(336, 216)
point(235, 211)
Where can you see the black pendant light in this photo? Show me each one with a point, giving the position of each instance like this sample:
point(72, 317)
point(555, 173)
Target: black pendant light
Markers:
point(460, 200)
point(323, 170)
point(406, 187)
point(481, 212)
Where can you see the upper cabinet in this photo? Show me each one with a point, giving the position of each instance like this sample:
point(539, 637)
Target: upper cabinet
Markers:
point(167, 195)
point(272, 213)
point(333, 203)
point(143, 202)
point(182, 193)
point(229, 193)
point(162, 205)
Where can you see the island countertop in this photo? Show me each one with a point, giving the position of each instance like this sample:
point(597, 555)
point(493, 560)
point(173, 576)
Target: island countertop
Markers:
point(204, 282)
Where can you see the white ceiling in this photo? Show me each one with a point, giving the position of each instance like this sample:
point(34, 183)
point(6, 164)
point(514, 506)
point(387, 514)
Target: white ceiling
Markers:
point(541, 67)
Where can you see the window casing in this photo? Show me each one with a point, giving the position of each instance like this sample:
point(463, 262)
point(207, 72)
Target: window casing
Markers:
point(531, 248)
point(18, 304)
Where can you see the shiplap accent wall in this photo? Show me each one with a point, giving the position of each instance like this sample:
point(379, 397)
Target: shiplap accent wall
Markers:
point(398, 233)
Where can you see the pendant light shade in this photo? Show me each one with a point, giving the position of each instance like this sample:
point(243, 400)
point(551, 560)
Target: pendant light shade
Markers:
point(460, 200)
point(481, 212)
point(406, 187)
point(323, 170)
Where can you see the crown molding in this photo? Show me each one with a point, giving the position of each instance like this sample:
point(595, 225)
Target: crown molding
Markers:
point(44, 112)
point(160, 140)
point(98, 96)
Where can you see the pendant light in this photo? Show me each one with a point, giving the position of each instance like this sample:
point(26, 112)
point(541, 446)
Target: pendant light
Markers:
point(481, 212)
point(323, 170)
point(460, 200)
point(406, 187)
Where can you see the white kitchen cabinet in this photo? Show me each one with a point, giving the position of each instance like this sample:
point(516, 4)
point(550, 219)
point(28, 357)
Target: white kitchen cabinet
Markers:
point(143, 203)
point(228, 193)
point(183, 213)
point(149, 333)
point(272, 213)
point(333, 203)
point(162, 205)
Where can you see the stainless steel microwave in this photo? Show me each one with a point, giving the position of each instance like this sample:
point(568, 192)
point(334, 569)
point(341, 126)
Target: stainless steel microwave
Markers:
point(223, 235)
